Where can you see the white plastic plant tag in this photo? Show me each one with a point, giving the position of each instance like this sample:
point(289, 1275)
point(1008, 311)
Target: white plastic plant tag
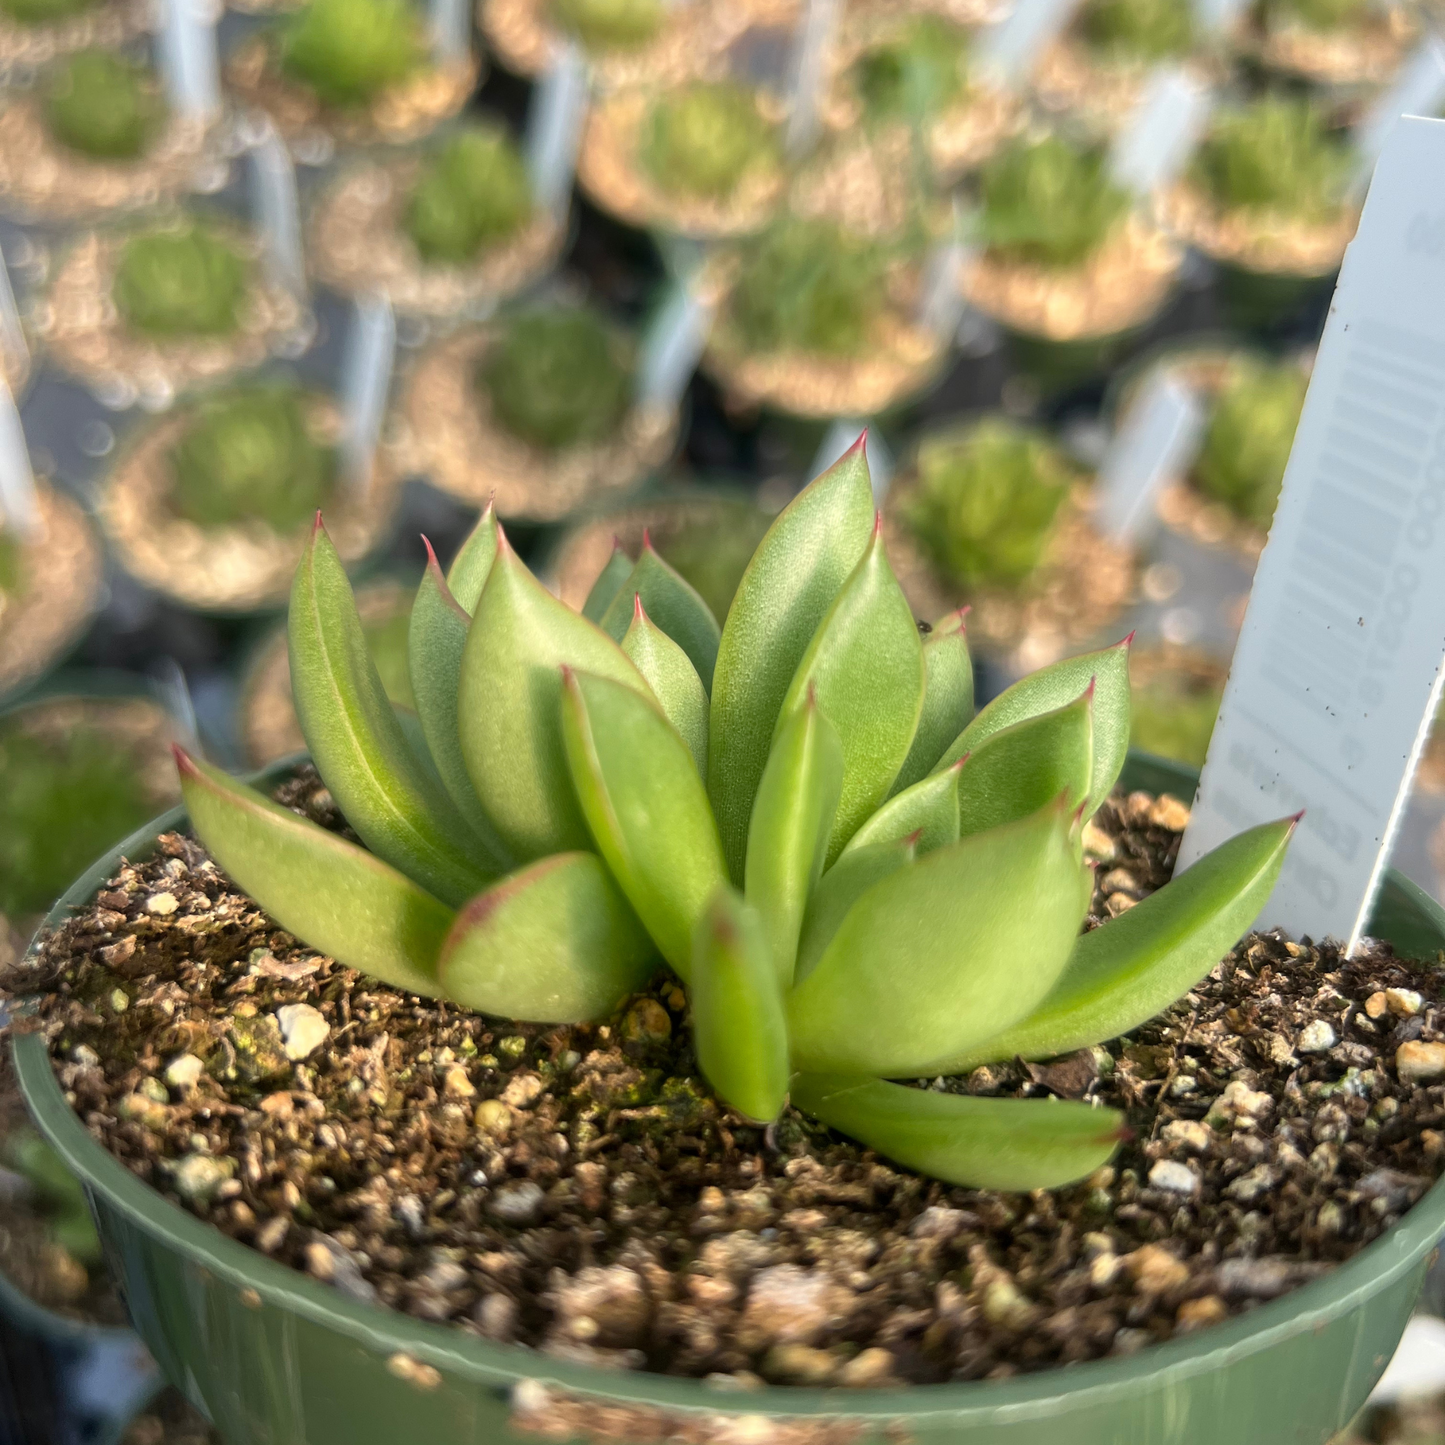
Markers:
point(12, 333)
point(18, 501)
point(276, 212)
point(451, 31)
point(1163, 130)
point(1009, 50)
point(840, 436)
point(173, 692)
point(365, 383)
point(941, 302)
point(1218, 17)
point(1338, 667)
point(188, 58)
point(1157, 440)
point(554, 129)
point(808, 74)
point(672, 348)
point(1418, 89)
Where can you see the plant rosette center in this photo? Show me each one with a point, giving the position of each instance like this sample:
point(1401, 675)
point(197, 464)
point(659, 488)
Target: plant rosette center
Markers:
point(103, 106)
point(471, 194)
point(186, 281)
point(610, 25)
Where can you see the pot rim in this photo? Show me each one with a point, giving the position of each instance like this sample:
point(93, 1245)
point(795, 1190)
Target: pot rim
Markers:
point(1034, 1396)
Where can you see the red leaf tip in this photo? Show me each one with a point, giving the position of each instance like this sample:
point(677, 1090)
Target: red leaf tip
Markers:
point(317, 525)
point(647, 540)
point(877, 523)
point(1294, 822)
point(638, 612)
point(185, 763)
point(1129, 640)
point(431, 556)
point(958, 763)
point(1093, 683)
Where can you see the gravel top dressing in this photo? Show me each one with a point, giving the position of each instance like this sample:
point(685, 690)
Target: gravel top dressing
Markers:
point(578, 1189)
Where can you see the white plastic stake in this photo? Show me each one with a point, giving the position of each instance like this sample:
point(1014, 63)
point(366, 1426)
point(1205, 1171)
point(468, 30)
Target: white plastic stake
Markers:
point(173, 693)
point(1338, 667)
point(18, 501)
point(672, 348)
point(365, 382)
point(451, 31)
point(554, 129)
point(941, 303)
point(188, 58)
point(808, 73)
point(1157, 440)
point(1418, 89)
point(1218, 17)
point(12, 333)
point(839, 437)
point(1163, 130)
point(276, 212)
point(1009, 50)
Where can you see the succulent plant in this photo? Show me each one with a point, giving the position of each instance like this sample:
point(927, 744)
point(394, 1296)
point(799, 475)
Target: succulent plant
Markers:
point(711, 552)
point(11, 564)
point(57, 1194)
point(1173, 715)
point(1138, 29)
point(386, 644)
point(797, 812)
point(702, 139)
point(103, 105)
point(1274, 154)
point(807, 285)
point(44, 12)
point(559, 376)
point(349, 51)
point(1320, 14)
point(610, 24)
point(1250, 433)
point(914, 73)
point(185, 281)
point(985, 500)
point(1049, 201)
point(471, 194)
point(248, 452)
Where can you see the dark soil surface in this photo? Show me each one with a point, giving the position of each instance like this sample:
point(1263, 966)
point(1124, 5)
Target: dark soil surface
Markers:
point(579, 1191)
point(170, 1420)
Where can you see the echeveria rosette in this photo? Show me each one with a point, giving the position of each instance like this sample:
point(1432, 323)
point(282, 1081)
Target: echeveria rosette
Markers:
point(186, 281)
point(702, 139)
point(472, 193)
point(1138, 30)
point(1319, 15)
point(349, 51)
point(798, 812)
point(610, 24)
point(55, 1193)
point(103, 106)
point(44, 12)
point(914, 73)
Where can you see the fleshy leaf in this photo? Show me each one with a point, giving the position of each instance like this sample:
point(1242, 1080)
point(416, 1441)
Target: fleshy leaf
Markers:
point(401, 811)
point(1013, 1144)
point(947, 698)
point(946, 953)
point(510, 706)
point(673, 680)
point(806, 556)
point(473, 563)
point(1053, 686)
point(334, 896)
point(865, 664)
point(608, 584)
point(646, 806)
point(792, 820)
point(928, 811)
point(555, 942)
point(840, 888)
point(739, 1030)
point(1018, 769)
point(1136, 965)
point(673, 604)
point(435, 640)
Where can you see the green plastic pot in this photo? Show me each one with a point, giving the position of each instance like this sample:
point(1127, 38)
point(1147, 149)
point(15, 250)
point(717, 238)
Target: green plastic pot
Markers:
point(276, 1358)
point(1263, 300)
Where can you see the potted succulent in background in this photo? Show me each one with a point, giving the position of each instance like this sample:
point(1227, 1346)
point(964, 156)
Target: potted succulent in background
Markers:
point(1070, 269)
point(1174, 698)
point(441, 231)
point(1343, 44)
point(993, 515)
point(158, 309)
point(535, 408)
point(210, 504)
point(35, 32)
point(350, 72)
point(1265, 197)
point(703, 159)
point(95, 137)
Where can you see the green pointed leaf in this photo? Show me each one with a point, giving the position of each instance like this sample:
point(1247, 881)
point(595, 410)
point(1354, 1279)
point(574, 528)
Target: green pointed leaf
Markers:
point(1012, 1144)
point(806, 556)
point(947, 698)
point(1019, 769)
point(554, 942)
point(510, 707)
point(646, 806)
point(928, 811)
point(865, 664)
point(673, 680)
point(1051, 687)
point(395, 803)
point(334, 896)
point(739, 1030)
point(674, 605)
point(608, 584)
point(435, 640)
point(792, 821)
point(843, 885)
point(1136, 965)
point(948, 952)
point(473, 563)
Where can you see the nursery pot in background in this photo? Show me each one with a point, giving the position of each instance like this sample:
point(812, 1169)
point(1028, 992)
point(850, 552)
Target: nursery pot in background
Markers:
point(277, 1358)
